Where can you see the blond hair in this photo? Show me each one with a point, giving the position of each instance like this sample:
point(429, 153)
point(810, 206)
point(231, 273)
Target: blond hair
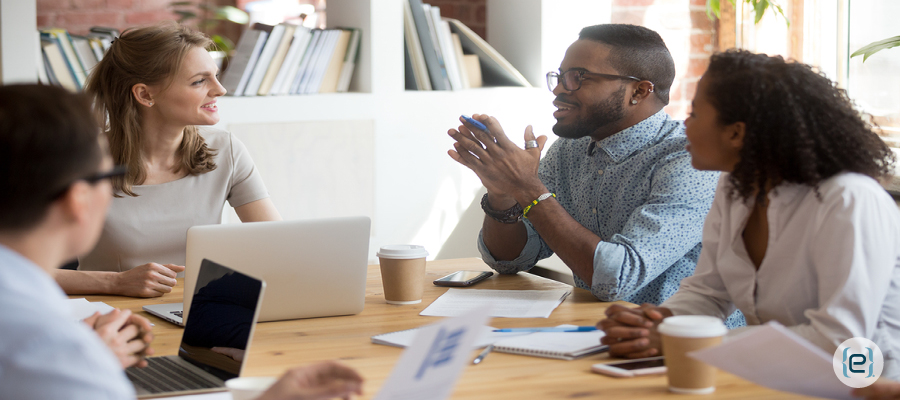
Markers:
point(151, 55)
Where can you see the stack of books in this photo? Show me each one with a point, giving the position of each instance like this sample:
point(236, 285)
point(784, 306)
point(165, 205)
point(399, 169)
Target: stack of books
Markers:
point(69, 59)
point(287, 59)
point(444, 54)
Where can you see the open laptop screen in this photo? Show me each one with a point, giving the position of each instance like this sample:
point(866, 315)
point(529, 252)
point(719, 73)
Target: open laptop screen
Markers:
point(218, 331)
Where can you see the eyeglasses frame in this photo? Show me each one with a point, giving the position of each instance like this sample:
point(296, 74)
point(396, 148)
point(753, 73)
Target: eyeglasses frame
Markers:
point(114, 172)
point(583, 72)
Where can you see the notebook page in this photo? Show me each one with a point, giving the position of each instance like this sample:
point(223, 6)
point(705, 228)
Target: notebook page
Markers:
point(506, 303)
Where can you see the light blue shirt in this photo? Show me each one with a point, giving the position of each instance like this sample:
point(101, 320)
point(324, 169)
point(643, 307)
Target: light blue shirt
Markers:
point(636, 190)
point(44, 353)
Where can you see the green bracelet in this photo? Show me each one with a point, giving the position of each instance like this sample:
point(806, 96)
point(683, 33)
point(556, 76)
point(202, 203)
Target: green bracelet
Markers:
point(534, 202)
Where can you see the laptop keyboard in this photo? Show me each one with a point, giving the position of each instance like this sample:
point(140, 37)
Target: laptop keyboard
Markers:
point(178, 314)
point(163, 375)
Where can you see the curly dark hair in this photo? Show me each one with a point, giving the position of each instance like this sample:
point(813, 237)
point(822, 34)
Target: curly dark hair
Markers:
point(799, 127)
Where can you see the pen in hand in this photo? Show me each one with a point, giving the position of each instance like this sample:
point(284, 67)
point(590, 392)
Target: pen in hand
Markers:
point(483, 354)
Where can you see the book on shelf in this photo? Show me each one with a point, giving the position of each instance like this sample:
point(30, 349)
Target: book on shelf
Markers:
point(350, 60)
point(277, 60)
point(265, 57)
point(286, 59)
point(304, 70)
point(417, 72)
point(495, 70)
point(334, 66)
point(427, 45)
point(319, 63)
point(58, 70)
point(242, 62)
point(61, 38)
point(291, 65)
point(439, 54)
point(460, 57)
point(85, 54)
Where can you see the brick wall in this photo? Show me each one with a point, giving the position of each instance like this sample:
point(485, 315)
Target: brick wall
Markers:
point(689, 34)
point(79, 15)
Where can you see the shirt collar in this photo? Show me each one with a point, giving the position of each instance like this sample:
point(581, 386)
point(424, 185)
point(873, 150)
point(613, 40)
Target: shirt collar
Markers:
point(628, 141)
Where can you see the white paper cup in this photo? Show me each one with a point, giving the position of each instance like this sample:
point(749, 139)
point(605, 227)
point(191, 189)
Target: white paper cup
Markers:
point(402, 273)
point(684, 334)
point(250, 387)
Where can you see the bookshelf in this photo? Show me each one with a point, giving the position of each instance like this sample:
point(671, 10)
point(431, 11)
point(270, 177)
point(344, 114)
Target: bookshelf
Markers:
point(380, 150)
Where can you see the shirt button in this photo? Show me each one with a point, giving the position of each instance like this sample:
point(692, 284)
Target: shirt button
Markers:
point(595, 211)
point(600, 171)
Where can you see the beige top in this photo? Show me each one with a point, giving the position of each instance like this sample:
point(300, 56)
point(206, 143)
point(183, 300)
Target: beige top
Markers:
point(153, 226)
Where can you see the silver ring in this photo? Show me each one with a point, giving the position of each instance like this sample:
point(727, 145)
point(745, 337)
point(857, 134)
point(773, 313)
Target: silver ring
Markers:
point(530, 144)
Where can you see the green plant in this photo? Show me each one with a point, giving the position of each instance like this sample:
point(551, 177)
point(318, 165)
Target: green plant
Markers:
point(208, 16)
point(874, 47)
point(714, 8)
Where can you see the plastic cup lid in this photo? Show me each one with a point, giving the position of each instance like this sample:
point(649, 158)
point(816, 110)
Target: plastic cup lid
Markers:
point(692, 326)
point(402, 251)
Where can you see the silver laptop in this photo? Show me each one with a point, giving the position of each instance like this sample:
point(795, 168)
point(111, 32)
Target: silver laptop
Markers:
point(315, 268)
point(215, 342)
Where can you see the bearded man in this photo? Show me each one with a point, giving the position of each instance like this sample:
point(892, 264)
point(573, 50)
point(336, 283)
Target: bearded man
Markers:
point(615, 197)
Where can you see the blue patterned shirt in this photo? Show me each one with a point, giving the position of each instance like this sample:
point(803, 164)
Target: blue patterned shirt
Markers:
point(636, 190)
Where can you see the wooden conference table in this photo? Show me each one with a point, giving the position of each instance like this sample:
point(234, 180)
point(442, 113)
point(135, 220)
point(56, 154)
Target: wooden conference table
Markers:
point(278, 346)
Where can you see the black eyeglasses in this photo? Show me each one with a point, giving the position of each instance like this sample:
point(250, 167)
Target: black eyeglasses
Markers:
point(571, 79)
point(116, 171)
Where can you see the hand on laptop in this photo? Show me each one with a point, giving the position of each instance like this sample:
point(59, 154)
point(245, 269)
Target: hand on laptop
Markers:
point(882, 389)
point(325, 380)
point(148, 280)
point(126, 334)
point(631, 332)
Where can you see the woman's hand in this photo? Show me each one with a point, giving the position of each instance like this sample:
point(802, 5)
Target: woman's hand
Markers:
point(126, 334)
point(148, 280)
point(325, 380)
point(631, 332)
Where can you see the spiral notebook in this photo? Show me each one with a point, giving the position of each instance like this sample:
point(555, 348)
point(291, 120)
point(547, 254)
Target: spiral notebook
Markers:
point(559, 345)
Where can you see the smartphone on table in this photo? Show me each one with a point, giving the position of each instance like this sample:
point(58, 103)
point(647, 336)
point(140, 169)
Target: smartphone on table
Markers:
point(632, 368)
point(463, 278)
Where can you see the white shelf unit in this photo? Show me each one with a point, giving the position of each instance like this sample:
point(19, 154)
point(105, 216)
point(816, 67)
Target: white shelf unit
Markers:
point(381, 151)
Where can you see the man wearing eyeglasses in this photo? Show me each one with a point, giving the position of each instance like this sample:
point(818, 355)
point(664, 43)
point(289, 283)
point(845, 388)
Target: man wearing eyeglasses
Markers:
point(615, 197)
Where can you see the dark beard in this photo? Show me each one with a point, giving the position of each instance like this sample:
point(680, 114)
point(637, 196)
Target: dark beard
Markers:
point(603, 113)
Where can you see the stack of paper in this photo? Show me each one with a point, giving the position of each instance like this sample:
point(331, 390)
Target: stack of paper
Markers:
point(506, 303)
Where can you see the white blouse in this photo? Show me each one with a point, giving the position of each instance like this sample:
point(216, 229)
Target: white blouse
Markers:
point(830, 271)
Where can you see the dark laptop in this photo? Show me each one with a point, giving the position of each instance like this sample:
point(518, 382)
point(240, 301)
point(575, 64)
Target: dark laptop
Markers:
point(216, 337)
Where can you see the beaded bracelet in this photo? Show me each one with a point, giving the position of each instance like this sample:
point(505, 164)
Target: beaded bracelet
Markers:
point(509, 216)
point(534, 202)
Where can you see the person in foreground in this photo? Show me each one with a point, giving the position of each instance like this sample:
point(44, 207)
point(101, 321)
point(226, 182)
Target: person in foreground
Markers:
point(156, 85)
point(800, 231)
point(54, 174)
point(628, 207)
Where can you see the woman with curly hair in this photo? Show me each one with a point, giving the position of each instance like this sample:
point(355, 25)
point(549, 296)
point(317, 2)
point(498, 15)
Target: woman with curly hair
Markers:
point(800, 231)
point(153, 89)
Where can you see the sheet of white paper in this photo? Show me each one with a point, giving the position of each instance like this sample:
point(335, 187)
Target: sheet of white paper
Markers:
point(506, 303)
point(430, 367)
point(405, 338)
point(82, 309)
point(772, 356)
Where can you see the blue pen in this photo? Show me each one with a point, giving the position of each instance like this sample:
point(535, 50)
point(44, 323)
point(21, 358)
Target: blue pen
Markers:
point(474, 123)
point(551, 329)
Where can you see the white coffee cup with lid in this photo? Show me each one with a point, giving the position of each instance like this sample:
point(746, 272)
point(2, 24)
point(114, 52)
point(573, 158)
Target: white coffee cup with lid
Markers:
point(403, 273)
point(681, 335)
